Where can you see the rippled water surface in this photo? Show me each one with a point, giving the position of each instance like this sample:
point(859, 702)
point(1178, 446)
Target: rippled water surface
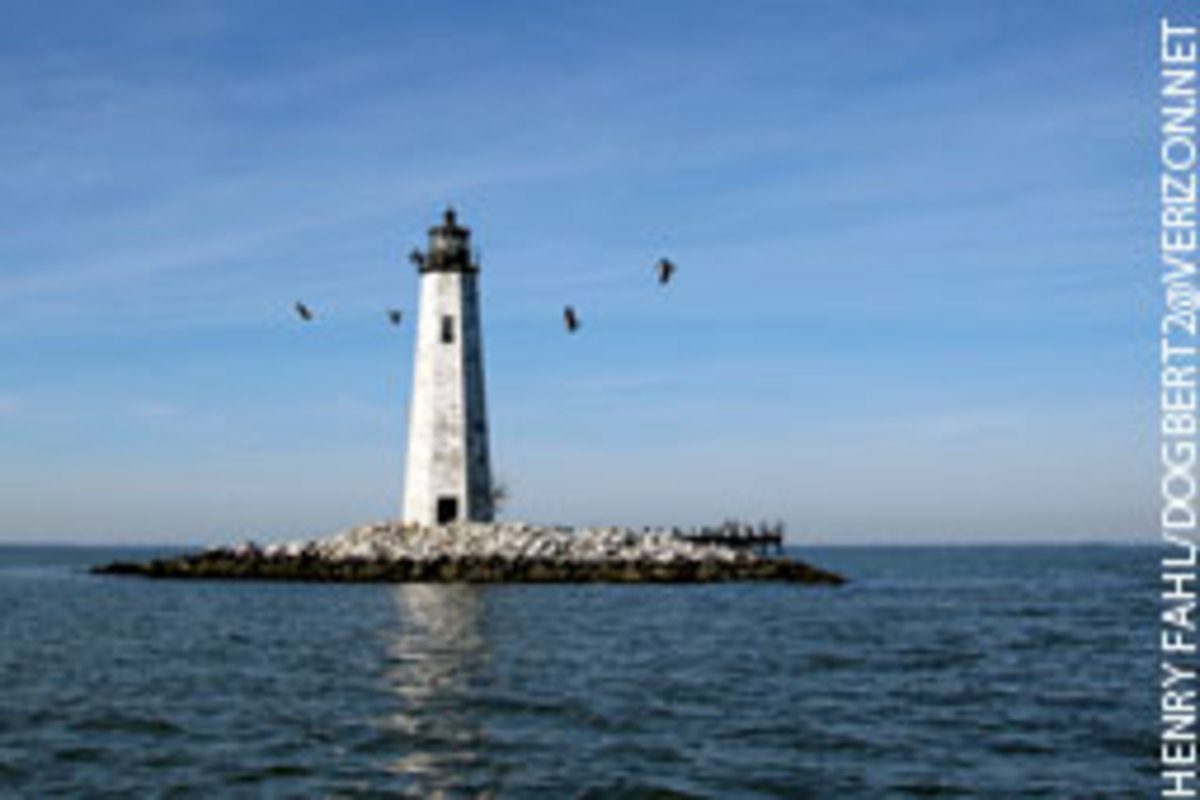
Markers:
point(958, 672)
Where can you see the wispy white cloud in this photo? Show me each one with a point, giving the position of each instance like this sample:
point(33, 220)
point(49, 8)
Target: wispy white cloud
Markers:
point(159, 410)
point(9, 405)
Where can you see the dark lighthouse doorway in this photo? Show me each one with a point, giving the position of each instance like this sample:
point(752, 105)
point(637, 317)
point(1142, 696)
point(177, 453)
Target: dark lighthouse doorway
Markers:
point(447, 510)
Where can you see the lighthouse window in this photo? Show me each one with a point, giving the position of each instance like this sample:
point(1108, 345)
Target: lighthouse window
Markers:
point(447, 329)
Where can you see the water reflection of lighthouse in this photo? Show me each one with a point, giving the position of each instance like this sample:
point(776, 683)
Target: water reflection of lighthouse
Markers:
point(436, 665)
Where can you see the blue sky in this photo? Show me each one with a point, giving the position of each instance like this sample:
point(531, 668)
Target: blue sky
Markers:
point(915, 298)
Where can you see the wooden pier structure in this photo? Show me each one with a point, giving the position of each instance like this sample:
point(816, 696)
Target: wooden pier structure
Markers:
point(763, 539)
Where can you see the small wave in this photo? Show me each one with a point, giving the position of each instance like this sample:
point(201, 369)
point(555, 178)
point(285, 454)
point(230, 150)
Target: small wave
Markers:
point(10, 772)
point(1019, 747)
point(268, 773)
point(929, 789)
point(635, 788)
point(831, 662)
point(80, 755)
point(124, 723)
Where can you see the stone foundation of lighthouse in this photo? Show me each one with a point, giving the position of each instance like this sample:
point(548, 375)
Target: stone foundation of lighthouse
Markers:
point(448, 471)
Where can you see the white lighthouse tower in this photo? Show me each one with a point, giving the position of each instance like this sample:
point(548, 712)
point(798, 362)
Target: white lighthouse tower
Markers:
point(448, 473)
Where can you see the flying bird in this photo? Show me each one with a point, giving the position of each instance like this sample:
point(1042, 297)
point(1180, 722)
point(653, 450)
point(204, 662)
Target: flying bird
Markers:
point(395, 315)
point(570, 320)
point(304, 311)
point(666, 268)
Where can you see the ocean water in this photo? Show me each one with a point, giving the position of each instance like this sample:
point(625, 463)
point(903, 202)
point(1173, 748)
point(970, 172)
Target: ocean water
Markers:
point(939, 672)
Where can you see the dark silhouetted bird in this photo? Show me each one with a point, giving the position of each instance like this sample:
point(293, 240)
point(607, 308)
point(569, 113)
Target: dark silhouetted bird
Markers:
point(570, 320)
point(666, 268)
point(304, 311)
point(417, 257)
point(395, 315)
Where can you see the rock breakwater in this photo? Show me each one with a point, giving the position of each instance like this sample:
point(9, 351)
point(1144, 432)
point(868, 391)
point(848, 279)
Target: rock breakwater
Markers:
point(508, 552)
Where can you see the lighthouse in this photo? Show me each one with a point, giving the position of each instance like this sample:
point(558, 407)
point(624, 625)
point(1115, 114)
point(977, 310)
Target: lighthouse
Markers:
point(448, 475)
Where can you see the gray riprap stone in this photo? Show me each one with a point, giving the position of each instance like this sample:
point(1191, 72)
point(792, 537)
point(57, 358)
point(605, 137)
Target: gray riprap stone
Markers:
point(389, 541)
